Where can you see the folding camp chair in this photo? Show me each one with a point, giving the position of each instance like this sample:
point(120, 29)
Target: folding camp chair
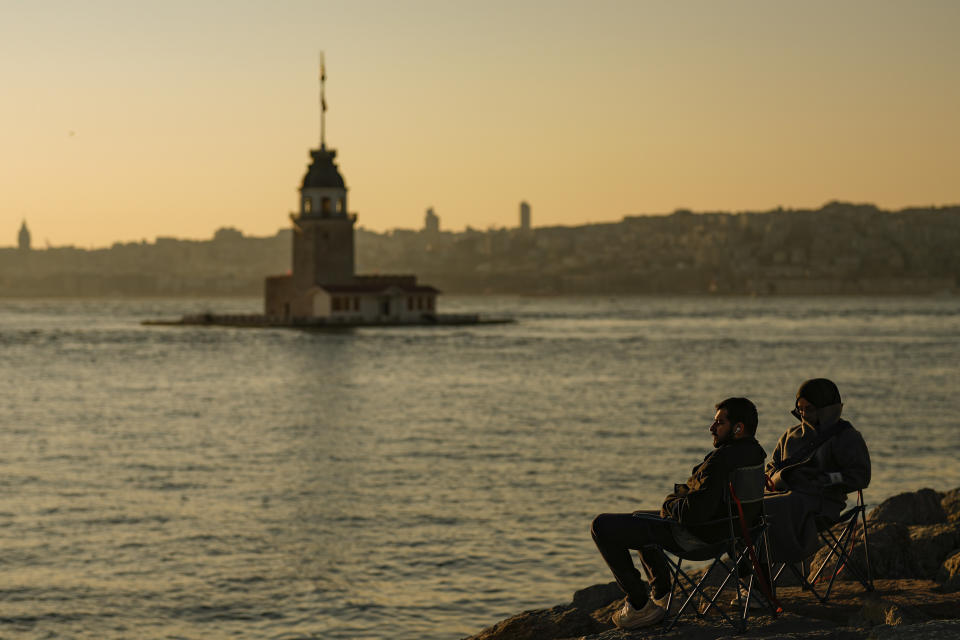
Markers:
point(745, 487)
point(838, 558)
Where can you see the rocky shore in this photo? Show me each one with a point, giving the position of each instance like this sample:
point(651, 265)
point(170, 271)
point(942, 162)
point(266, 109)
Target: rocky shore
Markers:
point(915, 557)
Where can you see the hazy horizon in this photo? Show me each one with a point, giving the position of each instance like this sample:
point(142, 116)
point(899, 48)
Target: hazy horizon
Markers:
point(126, 121)
point(35, 245)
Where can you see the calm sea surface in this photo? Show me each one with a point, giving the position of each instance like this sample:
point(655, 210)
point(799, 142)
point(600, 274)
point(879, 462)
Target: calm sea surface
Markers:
point(405, 483)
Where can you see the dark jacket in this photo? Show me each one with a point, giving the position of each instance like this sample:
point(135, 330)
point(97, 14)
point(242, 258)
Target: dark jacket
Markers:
point(844, 453)
point(804, 479)
point(701, 498)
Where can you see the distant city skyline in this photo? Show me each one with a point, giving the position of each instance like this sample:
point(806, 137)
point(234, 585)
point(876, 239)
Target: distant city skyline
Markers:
point(124, 121)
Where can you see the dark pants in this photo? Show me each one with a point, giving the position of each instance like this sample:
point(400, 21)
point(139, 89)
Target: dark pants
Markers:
point(617, 533)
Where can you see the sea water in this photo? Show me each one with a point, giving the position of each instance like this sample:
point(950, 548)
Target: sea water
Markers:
point(403, 483)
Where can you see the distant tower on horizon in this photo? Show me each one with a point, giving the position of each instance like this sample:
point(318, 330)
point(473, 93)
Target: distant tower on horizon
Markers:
point(525, 216)
point(23, 238)
point(323, 230)
point(323, 282)
point(431, 222)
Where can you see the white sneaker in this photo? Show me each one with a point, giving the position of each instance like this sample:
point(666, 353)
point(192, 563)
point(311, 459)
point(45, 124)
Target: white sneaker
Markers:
point(661, 602)
point(755, 603)
point(626, 617)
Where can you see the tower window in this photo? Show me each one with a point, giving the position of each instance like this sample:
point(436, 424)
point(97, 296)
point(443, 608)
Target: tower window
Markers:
point(307, 205)
point(325, 206)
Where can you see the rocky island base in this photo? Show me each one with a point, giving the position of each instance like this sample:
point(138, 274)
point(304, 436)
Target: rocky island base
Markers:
point(257, 321)
point(915, 558)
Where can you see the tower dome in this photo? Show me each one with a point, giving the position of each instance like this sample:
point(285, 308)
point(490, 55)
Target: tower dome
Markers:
point(323, 193)
point(323, 172)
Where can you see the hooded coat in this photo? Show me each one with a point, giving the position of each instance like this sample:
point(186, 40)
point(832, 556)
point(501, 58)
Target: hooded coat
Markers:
point(812, 483)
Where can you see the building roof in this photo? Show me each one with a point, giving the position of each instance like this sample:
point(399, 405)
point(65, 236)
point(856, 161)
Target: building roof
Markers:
point(377, 287)
point(323, 172)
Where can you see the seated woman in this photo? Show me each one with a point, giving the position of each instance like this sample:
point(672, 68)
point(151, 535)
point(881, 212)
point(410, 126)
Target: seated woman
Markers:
point(815, 465)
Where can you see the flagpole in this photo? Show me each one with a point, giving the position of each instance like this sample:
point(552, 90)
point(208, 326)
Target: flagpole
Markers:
point(323, 104)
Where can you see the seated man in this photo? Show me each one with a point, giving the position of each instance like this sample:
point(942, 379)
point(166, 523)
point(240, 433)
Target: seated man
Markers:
point(684, 520)
point(815, 465)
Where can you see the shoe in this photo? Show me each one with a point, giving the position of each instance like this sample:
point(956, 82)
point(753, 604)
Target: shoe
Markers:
point(626, 617)
point(755, 604)
point(661, 602)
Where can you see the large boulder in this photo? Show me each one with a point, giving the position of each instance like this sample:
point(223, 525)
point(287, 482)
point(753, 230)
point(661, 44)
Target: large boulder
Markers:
point(587, 615)
point(897, 550)
point(951, 505)
point(949, 574)
point(541, 624)
point(597, 597)
point(918, 507)
point(929, 547)
point(889, 553)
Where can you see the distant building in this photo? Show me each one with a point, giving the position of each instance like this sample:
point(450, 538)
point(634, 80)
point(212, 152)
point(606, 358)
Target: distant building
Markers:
point(227, 234)
point(322, 283)
point(525, 216)
point(23, 238)
point(431, 222)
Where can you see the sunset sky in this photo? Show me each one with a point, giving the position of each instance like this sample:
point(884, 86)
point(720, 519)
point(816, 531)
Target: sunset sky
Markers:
point(125, 120)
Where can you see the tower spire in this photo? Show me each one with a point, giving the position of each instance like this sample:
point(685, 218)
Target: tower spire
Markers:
point(323, 103)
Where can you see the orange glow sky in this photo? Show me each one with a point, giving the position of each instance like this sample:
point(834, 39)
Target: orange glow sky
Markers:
point(123, 120)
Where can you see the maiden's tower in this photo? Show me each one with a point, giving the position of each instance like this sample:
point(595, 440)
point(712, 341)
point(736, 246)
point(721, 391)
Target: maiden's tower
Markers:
point(322, 288)
point(322, 282)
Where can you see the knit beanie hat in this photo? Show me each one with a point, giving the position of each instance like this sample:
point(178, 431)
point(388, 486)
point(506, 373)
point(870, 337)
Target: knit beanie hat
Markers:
point(819, 392)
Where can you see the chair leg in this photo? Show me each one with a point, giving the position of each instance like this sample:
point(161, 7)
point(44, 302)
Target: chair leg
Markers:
point(765, 594)
point(678, 583)
point(722, 586)
point(742, 606)
point(713, 600)
point(801, 576)
point(843, 553)
point(696, 589)
point(770, 580)
point(767, 583)
point(843, 557)
point(836, 547)
point(840, 556)
point(866, 548)
point(862, 576)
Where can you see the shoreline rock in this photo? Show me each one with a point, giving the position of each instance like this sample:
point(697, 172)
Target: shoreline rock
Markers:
point(914, 549)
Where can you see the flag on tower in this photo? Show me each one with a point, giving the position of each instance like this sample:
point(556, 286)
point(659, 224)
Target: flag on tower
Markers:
point(323, 100)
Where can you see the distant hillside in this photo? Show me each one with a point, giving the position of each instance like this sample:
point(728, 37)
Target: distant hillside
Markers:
point(840, 248)
point(229, 264)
